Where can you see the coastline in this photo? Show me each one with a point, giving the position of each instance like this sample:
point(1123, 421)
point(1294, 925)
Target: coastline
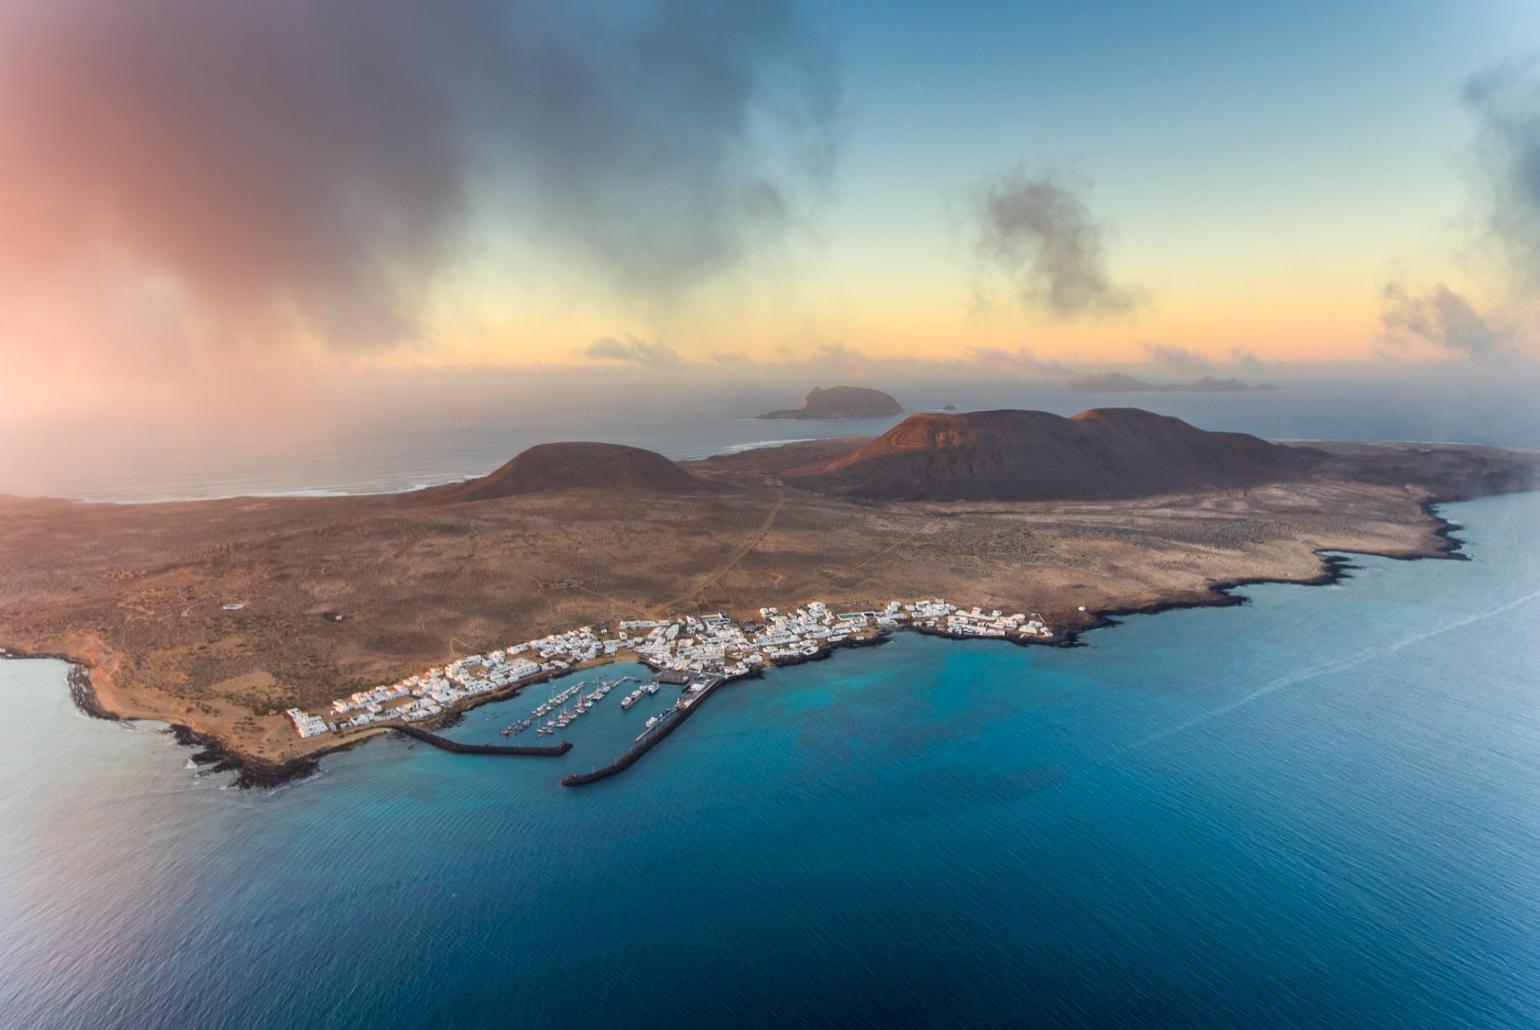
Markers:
point(213, 754)
point(1336, 566)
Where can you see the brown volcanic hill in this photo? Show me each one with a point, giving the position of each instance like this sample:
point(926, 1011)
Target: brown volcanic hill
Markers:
point(843, 402)
point(565, 466)
point(1104, 453)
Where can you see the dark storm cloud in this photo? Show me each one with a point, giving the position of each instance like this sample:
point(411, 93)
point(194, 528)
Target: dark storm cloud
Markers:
point(666, 143)
point(307, 164)
point(633, 351)
point(1506, 102)
point(1040, 233)
point(1443, 318)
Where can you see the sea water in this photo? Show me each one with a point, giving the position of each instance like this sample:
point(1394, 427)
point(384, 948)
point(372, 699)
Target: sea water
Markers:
point(392, 449)
point(1321, 808)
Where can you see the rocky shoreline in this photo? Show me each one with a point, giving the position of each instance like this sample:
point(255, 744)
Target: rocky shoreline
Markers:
point(213, 755)
point(82, 693)
point(1336, 567)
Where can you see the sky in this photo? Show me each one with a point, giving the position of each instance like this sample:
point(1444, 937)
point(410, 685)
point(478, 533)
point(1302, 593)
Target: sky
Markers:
point(215, 200)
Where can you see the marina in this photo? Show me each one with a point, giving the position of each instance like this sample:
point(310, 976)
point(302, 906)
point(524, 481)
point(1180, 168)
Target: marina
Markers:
point(697, 653)
point(1064, 770)
point(653, 732)
point(642, 691)
point(566, 716)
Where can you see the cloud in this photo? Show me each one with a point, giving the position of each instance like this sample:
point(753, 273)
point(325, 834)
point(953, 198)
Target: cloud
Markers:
point(1506, 102)
point(1443, 318)
point(1177, 358)
point(289, 167)
point(633, 351)
point(838, 355)
point(1019, 361)
point(1246, 359)
point(1039, 232)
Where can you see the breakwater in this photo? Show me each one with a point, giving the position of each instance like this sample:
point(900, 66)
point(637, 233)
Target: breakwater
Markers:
point(546, 751)
point(641, 747)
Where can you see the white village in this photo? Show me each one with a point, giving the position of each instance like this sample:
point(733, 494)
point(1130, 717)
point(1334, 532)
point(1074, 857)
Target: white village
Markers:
point(696, 652)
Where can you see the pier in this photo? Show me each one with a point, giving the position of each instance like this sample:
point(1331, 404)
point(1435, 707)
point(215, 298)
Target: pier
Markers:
point(682, 710)
point(444, 743)
point(699, 652)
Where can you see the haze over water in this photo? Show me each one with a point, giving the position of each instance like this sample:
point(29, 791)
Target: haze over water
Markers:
point(387, 437)
point(1320, 808)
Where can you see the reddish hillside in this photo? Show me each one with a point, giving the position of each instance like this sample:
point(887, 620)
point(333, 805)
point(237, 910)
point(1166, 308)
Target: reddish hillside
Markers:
point(565, 466)
point(1033, 455)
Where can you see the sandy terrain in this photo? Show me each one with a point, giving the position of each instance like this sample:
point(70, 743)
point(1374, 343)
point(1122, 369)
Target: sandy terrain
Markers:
point(343, 593)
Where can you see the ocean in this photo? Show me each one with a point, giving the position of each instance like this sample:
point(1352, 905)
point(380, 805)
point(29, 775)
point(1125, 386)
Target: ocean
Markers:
point(1321, 808)
point(458, 428)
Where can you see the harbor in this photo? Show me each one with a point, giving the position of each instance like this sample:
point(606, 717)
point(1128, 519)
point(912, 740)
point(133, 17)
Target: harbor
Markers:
point(680, 661)
point(653, 732)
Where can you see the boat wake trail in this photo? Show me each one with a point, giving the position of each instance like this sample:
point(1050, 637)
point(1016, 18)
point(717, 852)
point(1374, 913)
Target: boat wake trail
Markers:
point(1314, 671)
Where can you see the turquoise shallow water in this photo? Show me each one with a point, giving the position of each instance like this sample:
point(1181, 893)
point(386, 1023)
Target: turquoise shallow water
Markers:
point(1322, 808)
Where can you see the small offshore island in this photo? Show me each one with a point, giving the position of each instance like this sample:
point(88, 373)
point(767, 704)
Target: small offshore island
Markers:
point(272, 630)
point(838, 402)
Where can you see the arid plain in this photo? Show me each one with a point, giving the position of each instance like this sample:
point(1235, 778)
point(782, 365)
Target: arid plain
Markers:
point(343, 593)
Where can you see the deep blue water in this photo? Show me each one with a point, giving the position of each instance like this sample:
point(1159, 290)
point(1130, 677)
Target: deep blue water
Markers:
point(1322, 808)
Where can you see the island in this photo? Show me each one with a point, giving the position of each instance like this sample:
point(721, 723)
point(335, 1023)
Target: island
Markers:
point(1117, 382)
point(842, 402)
point(271, 630)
